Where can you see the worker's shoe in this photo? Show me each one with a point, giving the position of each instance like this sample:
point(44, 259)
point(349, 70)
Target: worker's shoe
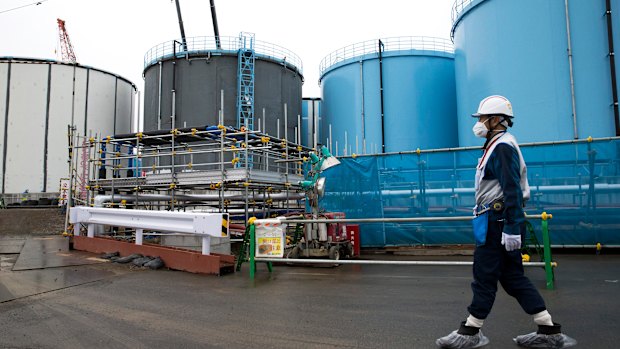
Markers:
point(466, 337)
point(546, 337)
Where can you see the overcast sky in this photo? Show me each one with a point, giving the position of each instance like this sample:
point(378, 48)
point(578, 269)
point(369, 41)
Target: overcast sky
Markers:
point(114, 35)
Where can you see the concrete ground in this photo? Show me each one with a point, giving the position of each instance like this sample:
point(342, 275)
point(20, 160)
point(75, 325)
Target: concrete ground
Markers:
point(98, 304)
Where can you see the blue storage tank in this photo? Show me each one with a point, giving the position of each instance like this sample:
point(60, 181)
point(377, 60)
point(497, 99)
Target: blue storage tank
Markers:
point(418, 97)
point(310, 119)
point(519, 49)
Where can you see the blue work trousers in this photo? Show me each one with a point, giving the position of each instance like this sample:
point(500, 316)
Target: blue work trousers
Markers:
point(492, 263)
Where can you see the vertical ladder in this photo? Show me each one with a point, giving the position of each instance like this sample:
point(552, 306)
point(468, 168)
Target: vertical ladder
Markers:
point(245, 253)
point(245, 88)
point(84, 168)
point(531, 244)
point(244, 250)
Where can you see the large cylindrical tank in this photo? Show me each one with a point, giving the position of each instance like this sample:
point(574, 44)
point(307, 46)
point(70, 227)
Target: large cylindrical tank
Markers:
point(519, 49)
point(200, 73)
point(38, 100)
point(310, 120)
point(401, 98)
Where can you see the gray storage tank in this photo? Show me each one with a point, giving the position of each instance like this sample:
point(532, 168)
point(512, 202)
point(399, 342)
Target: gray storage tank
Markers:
point(198, 73)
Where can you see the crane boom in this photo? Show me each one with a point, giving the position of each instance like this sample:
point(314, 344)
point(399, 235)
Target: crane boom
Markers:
point(216, 30)
point(184, 43)
point(68, 55)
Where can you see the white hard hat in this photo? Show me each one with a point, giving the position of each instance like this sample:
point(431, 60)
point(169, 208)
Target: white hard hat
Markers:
point(494, 105)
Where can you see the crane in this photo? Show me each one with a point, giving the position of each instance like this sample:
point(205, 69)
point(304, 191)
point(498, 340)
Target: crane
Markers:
point(215, 26)
point(36, 3)
point(68, 55)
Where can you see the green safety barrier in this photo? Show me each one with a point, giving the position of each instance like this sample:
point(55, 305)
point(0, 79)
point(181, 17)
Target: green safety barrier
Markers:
point(547, 259)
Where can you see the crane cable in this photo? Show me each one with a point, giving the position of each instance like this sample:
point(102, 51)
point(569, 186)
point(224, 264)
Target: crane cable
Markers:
point(17, 8)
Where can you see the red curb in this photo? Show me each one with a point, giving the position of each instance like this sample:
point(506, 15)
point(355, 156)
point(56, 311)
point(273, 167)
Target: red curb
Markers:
point(174, 258)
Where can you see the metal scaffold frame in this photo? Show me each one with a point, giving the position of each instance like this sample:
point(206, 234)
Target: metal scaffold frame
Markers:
point(196, 169)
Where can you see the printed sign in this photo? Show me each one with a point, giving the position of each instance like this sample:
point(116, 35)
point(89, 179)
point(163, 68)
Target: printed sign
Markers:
point(270, 239)
point(64, 192)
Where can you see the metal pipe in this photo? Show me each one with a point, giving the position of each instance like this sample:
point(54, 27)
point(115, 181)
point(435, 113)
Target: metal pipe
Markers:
point(102, 199)
point(173, 123)
point(131, 137)
point(216, 30)
point(247, 168)
point(298, 133)
point(547, 189)
point(380, 220)
point(315, 128)
point(47, 126)
point(363, 101)
point(86, 100)
point(584, 246)
point(173, 107)
point(392, 220)
point(330, 139)
point(266, 168)
point(182, 153)
point(181, 25)
point(69, 204)
point(381, 47)
point(440, 150)
point(138, 113)
point(159, 98)
point(612, 66)
point(73, 98)
point(286, 154)
point(238, 211)
point(222, 170)
point(570, 69)
point(380, 262)
point(115, 100)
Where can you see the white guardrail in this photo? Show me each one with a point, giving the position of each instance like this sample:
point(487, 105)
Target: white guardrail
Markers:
point(202, 224)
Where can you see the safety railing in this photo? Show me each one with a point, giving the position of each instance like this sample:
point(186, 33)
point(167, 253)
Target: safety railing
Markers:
point(392, 44)
point(458, 7)
point(548, 264)
point(206, 225)
point(27, 199)
point(231, 44)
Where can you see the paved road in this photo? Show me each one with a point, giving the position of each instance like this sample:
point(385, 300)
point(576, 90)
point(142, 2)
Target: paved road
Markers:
point(295, 307)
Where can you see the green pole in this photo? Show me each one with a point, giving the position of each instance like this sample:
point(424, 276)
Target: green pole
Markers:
point(252, 250)
point(547, 250)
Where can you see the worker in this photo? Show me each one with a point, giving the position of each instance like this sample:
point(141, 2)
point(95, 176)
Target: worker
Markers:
point(499, 226)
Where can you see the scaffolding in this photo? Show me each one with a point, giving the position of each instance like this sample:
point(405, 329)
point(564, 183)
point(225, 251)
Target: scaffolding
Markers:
point(197, 169)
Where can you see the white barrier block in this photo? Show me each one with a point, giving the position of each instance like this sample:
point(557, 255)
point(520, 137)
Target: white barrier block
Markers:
point(162, 221)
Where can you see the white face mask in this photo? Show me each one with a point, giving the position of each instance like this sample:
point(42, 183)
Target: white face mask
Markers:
point(480, 129)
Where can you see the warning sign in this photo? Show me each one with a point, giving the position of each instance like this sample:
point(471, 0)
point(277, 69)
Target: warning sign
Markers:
point(270, 238)
point(64, 192)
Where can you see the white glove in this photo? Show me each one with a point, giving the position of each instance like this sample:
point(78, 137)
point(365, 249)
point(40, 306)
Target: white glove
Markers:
point(511, 242)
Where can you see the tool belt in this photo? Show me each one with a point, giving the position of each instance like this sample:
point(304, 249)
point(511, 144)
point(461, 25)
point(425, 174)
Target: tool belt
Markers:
point(495, 206)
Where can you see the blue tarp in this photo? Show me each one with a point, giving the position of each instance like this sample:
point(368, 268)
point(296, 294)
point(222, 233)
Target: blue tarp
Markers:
point(579, 183)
